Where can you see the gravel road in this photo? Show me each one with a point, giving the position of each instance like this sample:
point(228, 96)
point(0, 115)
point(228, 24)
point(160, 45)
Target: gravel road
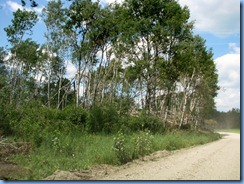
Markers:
point(219, 160)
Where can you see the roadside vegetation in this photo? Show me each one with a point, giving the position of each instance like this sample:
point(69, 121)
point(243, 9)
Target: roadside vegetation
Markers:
point(72, 139)
point(141, 82)
point(76, 152)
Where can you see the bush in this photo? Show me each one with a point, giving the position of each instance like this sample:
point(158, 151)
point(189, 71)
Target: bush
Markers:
point(76, 115)
point(121, 150)
point(142, 144)
point(103, 119)
point(146, 122)
point(29, 128)
point(33, 124)
point(6, 114)
point(129, 147)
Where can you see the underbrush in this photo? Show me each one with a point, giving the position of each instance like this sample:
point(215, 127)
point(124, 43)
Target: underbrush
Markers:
point(78, 151)
point(76, 139)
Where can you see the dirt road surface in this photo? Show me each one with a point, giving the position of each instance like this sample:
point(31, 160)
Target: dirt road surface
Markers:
point(219, 160)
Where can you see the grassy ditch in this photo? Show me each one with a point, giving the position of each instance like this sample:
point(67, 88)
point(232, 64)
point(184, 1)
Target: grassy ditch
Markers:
point(78, 151)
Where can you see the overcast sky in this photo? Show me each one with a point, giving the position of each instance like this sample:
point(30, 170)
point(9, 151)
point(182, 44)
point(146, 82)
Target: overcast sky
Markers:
point(217, 21)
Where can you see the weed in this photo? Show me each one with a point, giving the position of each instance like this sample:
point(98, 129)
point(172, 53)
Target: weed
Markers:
point(142, 144)
point(122, 153)
point(78, 151)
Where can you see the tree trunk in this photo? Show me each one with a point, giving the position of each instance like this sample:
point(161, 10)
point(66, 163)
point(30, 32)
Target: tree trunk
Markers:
point(186, 91)
point(184, 109)
point(59, 91)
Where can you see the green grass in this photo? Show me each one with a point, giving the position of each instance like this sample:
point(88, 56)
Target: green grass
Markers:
point(78, 151)
point(72, 152)
point(229, 130)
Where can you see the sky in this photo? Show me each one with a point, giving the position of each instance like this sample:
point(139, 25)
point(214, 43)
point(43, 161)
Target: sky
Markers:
point(217, 21)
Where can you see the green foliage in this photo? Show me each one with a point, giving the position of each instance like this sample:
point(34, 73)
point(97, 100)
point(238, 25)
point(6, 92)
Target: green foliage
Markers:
point(132, 147)
point(76, 115)
point(103, 119)
point(142, 144)
point(70, 151)
point(32, 3)
point(229, 130)
point(133, 39)
point(5, 117)
point(27, 52)
point(23, 22)
point(146, 121)
point(181, 139)
point(34, 123)
point(121, 148)
point(77, 151)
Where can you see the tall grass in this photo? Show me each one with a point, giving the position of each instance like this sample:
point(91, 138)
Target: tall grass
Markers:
point(79, 151)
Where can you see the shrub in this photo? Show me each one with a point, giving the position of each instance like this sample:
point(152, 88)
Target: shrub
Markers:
point(76, 115)
point(121, 150)
point(28, 129)
point(123, 124)
point(146, 122)
point(103, 119)
point(152, 123)
point(132, 147)
point(33, 124)
point(142, 144)
point(61, 144)
point(6, 114)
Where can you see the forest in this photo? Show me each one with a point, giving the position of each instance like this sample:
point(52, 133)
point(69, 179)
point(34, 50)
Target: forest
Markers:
point(135, 57)
point(139, 67)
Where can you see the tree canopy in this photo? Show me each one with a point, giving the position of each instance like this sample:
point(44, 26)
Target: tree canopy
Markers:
point(137, 56)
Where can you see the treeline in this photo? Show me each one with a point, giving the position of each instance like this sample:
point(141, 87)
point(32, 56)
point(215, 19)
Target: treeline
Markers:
point(135, 59)
point(229, 120)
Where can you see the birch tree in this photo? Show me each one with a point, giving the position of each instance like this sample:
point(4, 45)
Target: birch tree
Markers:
point(21, 26)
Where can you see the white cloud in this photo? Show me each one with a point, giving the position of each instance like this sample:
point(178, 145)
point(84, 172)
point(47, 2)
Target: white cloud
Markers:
point(228, 100)
point(228, 67)
point(234, 48)
point(218, 17)
point(14, 6)
point(110, 1)
point(38, 9)
point(70, 70)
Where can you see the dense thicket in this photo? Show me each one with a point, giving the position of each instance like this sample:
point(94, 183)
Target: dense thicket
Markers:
point(138, 65)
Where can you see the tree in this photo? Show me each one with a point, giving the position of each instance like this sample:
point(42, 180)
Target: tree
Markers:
point(22, 24)
point(80, 16)
point(89, 28)
point(4, 93)
point(3, 76)
point(56, 46)
point(230, 119)
point(197, 78)
point(134, 56)
point(155, 28)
